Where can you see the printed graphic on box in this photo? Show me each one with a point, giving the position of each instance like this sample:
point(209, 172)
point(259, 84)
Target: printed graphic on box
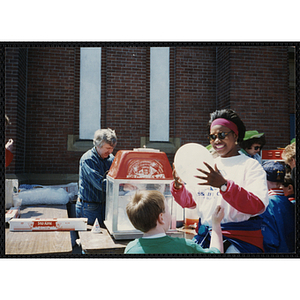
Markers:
point(145, 169)
point(69, 224)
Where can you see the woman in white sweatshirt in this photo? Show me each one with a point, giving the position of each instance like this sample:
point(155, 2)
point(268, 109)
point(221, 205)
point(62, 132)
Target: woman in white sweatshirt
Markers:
point(237, 183)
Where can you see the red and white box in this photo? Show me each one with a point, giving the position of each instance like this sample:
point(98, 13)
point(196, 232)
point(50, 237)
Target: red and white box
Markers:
point(12, 213)
point(51, 224)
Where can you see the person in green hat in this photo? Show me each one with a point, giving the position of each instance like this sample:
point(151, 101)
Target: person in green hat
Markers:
point(252, 144)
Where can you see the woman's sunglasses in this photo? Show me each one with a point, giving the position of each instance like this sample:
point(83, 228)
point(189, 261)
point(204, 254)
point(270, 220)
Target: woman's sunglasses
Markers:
point(220, 135)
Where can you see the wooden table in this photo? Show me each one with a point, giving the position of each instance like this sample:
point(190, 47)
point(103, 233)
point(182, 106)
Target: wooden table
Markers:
point(188, 233)
point(100, 243)
point(104, 243)
point(39, 242)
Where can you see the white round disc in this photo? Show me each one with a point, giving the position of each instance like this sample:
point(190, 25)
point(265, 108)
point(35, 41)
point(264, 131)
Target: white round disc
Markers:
point(188, 159)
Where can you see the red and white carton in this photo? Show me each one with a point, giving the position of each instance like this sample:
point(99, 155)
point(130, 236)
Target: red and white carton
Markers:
point(51, 224)
point(12, 213)
point(272, 155)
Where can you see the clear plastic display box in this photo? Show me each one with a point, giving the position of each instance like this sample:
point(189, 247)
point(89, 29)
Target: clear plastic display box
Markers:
point(139, 169)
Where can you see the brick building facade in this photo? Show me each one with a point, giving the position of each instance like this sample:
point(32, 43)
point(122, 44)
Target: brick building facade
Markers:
point(42, 94)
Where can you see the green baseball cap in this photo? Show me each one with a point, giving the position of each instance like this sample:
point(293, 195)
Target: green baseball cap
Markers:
point(252, 134)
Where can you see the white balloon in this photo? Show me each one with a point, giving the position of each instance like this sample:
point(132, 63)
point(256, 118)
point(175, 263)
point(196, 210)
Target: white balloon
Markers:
point(188, 159)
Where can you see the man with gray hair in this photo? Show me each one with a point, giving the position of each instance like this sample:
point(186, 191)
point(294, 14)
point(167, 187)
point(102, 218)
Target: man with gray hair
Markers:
point(93, 168)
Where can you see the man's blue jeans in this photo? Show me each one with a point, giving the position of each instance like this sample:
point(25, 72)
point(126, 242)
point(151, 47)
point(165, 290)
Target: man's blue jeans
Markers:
point(90, 211)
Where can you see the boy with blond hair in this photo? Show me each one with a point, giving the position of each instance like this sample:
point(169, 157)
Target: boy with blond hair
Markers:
point(289, 157)
point(148, 212)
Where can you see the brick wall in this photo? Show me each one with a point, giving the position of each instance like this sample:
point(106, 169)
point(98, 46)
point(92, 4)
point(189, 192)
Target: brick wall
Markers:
point(195, 92)
point(50, 111)
point(292, 83)
point(11, 97)
point(126, 102)
point(259, 91)
point(15, 108)
point(76, 90)
point(223, 77)
point(252, 80)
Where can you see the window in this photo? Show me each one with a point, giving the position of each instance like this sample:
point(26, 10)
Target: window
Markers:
point(90, 92)
point(159, 94)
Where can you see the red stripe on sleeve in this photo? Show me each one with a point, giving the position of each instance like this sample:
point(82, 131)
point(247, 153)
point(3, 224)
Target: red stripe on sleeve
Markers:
point(242, 200)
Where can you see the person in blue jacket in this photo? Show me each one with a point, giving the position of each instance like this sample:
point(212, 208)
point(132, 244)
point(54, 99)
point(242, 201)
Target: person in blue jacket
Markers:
point(93, 168)
point(278, 226)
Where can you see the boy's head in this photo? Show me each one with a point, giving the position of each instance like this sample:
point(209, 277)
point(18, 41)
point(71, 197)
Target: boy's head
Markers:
point(275, 173)
point(147, 209)
point(288, 185)
point(289, 155)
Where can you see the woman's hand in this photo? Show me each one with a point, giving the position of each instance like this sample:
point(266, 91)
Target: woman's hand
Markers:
point(213, 177)
point(177, 181)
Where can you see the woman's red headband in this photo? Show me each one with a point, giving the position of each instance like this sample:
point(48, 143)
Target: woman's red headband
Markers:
point(226, 123)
